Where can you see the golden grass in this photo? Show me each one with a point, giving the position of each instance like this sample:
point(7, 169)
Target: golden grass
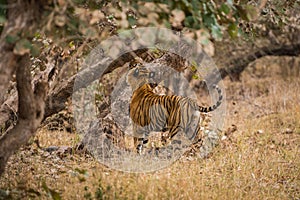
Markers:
point(258, 161)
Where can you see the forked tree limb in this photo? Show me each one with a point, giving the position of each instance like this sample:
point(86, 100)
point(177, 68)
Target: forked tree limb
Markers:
point(31, 112)
point(56, 99)
point(9, 109)
point(22, 17)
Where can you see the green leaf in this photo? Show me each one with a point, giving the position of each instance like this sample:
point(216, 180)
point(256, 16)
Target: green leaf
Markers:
point(44, 186)
point(195, 76)
point(12, 39)
point(71, 44)
point(189, 21)
point(209, 20)
point(247, 12)
point(204, 41)
point(37, 35)
point(216, 32)
point(186, 3)
point(225, 9)
point(167, 24)
point(2, 19)
point(251, 12)
point(81, 171)
point(99, 193)
point(194, 66)
point(22, 47)
point(233, 30)
point(195, 4)
point(204, 7)
point(55, 195)
point(34, 50)
point(131, 20)
point(111, 17)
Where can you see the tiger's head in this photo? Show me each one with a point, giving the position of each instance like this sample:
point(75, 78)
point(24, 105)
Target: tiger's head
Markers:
point(138, 76)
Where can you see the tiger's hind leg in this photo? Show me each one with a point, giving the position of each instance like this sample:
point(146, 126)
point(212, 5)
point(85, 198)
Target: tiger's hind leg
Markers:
point(165, 138)
point(139, 144)
point(174, 143)
point(140, 135)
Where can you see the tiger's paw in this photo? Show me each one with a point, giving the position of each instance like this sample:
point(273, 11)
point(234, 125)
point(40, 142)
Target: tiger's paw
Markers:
point(139, 149)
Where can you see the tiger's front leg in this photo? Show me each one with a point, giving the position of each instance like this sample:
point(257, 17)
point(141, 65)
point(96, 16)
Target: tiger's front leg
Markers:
point(140, 138)
point(139, 144)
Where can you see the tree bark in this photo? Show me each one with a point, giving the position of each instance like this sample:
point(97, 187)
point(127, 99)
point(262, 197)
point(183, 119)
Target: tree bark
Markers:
point(236, 66)
point(31, 112)
point(22, 17)
point(56, 99)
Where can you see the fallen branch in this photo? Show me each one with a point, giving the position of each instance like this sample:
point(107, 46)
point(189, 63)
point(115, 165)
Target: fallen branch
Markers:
point(236, 66)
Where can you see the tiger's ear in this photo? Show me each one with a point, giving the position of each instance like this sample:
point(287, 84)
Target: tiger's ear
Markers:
point(153, 85)
point(132, 65)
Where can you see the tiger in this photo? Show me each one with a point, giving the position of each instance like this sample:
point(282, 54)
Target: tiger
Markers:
point(161, 113)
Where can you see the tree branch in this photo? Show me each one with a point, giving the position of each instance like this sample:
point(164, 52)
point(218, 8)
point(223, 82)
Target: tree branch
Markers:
point(237, 65)
point(56, 99)
point(22, 16)
point(31, 111)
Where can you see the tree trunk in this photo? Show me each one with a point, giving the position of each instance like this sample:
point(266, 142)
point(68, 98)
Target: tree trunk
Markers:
point(31, 111)
point(22, 17)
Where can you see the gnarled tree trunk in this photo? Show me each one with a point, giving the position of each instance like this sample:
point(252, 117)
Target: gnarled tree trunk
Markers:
point(22, 17)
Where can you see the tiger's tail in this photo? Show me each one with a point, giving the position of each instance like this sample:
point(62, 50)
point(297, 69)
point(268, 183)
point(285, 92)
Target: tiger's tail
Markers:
point(213, 107)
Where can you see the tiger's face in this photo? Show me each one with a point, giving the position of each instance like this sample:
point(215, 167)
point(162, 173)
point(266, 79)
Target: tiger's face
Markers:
point(139, 76)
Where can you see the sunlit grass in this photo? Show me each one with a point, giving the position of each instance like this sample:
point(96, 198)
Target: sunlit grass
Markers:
point(258, 161)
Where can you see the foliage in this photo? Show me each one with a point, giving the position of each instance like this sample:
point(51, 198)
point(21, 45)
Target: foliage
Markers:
point(214, 17)
point(79, 22)
point(75, 22)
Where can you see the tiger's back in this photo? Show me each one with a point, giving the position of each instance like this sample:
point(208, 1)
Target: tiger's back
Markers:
point(153, 112)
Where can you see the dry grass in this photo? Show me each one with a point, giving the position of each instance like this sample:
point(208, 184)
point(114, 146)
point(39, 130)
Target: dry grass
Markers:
point(258, 161)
